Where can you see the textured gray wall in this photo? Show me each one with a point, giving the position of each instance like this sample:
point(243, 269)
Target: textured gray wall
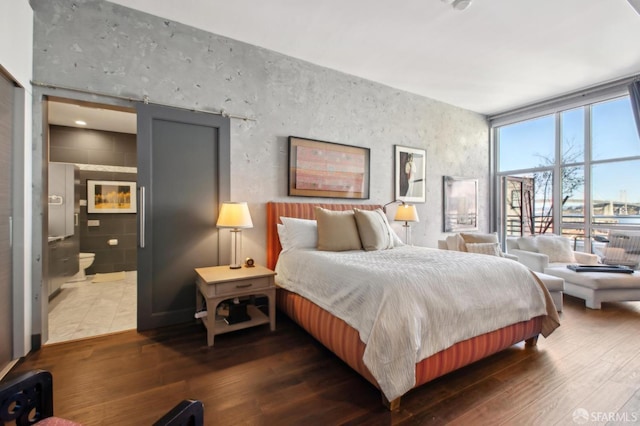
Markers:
point(109, 49)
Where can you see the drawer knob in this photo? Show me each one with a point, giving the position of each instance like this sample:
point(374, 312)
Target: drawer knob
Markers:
point(243, 285)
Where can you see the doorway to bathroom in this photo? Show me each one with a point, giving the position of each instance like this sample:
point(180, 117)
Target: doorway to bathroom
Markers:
point(92, 267)
point(177, 149)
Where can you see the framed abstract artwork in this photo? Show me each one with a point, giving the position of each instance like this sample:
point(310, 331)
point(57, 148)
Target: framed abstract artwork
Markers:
point(109, 196)
point(460, 204)
point(410, 174)
point(327, 169)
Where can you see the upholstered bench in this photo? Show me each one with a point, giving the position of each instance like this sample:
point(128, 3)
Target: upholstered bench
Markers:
point(598, 287)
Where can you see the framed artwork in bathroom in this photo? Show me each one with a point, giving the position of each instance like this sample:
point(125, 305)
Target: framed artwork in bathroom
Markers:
point(111, 196)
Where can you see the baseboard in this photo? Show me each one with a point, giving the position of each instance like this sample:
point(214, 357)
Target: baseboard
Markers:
point(8, 368)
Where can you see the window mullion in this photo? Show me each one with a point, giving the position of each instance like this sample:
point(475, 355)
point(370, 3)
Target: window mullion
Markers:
point(557, 178)
point(588, 211)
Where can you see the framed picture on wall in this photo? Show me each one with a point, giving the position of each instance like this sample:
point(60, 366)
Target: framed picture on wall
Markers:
point(327, 169)
point(109, 196)
point(410, 174)
point(460, 204)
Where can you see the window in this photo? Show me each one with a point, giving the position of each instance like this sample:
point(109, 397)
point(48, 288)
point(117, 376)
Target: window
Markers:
point(572, 136)
point(527, 144)
point(615, 193)
point(573, 172)
point(572, 196)
point(613, 130)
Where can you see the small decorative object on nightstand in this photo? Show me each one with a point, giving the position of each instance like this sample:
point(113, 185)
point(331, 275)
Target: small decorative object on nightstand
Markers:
point(217, 283)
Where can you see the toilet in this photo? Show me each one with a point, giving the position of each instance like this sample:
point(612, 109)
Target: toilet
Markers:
point(85, 260)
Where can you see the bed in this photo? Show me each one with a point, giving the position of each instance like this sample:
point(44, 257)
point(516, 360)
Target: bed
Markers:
point(345, 339)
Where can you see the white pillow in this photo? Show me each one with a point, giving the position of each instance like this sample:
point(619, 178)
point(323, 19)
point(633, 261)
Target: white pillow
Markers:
point(557, 248)
point(492, 249)
point(282, 236)
point(397, 241)
point(299, 233)
point(528, 244)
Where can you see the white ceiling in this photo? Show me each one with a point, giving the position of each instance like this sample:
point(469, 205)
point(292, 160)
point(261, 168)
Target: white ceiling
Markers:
point(494, 56)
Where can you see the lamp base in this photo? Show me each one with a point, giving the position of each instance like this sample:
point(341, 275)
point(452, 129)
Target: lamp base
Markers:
point(407, 234)
point(236, 248)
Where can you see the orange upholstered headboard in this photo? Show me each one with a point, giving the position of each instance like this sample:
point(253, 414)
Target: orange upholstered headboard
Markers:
point(299, 210)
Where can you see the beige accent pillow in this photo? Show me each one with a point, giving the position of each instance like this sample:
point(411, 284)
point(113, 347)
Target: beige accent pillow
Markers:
point(477, 237)
point(492, 249)
point(337, 230)
point(373, 229)
point(455, 242)
point(556, 247)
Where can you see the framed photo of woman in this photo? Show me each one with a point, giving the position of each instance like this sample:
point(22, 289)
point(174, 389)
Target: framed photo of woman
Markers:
point(410, 174)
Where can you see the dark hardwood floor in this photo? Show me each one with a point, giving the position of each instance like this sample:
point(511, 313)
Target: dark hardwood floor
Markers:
point(592, 362)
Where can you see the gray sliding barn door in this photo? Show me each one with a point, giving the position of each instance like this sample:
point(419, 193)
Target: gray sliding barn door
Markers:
point(183, 175)
point(6, 293)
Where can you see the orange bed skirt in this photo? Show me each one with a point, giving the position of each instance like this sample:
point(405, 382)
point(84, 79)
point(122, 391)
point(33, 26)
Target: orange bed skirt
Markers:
point(344, 341)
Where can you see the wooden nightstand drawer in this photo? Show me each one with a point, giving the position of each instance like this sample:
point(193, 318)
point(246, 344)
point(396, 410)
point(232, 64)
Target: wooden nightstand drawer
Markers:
point(242, 285)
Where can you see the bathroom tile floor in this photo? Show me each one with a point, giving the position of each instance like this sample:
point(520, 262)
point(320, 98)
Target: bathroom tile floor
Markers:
point(85, 309)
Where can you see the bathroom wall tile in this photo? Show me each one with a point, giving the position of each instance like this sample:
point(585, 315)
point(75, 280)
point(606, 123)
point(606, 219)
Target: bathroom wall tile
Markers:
point(128, 241)
point(108, 158)
point(64, 155)
point(130, 159)
point(126, 266)
point(123, 142)
point(130, 224)
point(81, 139)
point(110, 225)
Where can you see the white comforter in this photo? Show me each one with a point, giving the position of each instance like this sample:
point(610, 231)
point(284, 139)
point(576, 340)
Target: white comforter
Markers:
point(411, 302)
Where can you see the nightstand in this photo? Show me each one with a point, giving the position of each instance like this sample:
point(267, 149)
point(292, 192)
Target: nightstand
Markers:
point(217, 283)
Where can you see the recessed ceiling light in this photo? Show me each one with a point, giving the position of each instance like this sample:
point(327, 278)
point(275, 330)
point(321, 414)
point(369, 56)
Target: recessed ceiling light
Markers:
point(81, 123)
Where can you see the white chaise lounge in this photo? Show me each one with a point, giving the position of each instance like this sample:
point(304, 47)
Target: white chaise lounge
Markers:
point(552, 257)
point(598, 287)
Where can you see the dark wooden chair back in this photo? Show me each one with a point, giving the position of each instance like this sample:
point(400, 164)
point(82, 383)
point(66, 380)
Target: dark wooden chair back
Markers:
point(28, 398)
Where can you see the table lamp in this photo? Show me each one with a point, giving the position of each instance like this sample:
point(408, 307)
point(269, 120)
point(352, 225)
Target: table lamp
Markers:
point(235, 216)
point(407, 213)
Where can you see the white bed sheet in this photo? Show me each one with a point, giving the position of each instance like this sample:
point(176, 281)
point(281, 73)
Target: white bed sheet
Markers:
point(411, 302)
